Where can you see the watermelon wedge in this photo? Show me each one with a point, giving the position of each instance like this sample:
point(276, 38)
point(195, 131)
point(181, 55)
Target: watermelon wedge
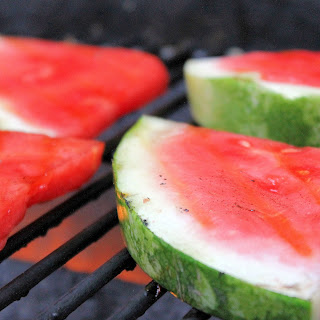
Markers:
point(229, 223)
point(65, 89)
point(272, 95)
point(36, 168)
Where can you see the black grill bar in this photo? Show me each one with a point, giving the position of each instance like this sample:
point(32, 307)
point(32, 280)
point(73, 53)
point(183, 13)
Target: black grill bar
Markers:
point(89, 286)
point(195, 314)
point(162, 106)
point(51, 219)
point(141, 303)
point(20, 286)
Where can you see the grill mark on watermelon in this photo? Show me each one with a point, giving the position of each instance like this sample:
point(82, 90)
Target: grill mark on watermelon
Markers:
point(238, 184)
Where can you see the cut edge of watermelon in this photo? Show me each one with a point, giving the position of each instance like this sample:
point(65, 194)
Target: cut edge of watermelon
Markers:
point(205, 288)
point(211, 68)
point(135, 214)
point(241, 104)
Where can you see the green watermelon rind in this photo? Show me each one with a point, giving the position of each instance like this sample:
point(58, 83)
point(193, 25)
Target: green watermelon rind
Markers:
point(241, 104)
point(201, 286)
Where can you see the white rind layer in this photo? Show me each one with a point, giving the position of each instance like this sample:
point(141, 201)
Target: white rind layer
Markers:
point(209, 68)
point(11, 122)
point(139, 179)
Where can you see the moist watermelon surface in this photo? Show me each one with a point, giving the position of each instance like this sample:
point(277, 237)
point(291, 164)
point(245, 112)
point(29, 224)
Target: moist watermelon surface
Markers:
point(225, 221)
point(36, 168)
point(299, 67)
point(66, 89)
point(266, 94)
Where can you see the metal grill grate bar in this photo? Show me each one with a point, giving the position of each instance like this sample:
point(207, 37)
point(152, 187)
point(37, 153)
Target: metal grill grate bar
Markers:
point(89, 286)
point(164, 105)
point(141, 303)
point(20, 286)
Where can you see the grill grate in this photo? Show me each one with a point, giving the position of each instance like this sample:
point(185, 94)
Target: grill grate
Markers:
point(171, 105)
point(138, 305)
point(89, 286)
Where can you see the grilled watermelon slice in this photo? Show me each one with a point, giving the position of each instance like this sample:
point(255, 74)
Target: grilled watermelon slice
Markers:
point(229, 223)
point(65, 89)
point(36, 168)
point(272, 95)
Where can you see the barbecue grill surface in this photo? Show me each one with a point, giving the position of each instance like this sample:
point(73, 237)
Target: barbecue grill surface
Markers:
point(57, 293)
point(217, 25)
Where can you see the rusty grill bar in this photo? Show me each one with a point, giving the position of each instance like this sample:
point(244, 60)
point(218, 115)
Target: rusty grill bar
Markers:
point(170, 105)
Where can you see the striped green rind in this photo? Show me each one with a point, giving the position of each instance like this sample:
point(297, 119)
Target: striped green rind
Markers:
point(242, 105)
point(201, 286)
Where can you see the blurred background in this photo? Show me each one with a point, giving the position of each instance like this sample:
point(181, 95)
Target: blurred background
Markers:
point(214, 25)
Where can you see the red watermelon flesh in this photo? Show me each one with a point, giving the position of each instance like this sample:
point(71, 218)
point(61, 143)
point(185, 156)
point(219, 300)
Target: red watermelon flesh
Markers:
point(248, 193)
point(65, 89)
point(36, 168)
point(297, 67)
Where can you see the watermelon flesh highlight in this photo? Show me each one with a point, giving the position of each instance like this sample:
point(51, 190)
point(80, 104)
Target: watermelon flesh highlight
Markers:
point(255, 177)
point(299, 67)
point(66, 89)
point(250, 204)
point(36, 168)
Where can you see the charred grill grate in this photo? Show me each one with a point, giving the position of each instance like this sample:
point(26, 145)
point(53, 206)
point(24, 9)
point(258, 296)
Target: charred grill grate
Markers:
point(171, 105)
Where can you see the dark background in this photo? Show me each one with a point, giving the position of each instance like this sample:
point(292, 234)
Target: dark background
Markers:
point(214, 25)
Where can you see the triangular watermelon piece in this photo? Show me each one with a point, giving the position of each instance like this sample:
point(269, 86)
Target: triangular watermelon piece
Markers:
point(272, 95)
point(36, 168)
point(227, 222)
point(66, 89)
